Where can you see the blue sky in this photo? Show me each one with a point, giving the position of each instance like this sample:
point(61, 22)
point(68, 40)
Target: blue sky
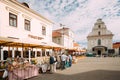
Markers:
point(80, 15)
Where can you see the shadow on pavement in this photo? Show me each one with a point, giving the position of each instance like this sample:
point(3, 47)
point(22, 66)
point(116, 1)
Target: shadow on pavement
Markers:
point(91, 75)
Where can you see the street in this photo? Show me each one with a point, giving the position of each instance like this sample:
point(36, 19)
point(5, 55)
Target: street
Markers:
point(89, 68)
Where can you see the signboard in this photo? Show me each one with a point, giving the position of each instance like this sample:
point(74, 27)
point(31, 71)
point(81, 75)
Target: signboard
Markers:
point(35, 37)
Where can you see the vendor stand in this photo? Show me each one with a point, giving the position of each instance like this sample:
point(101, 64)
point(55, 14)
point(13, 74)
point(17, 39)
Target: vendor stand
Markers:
point(23, 73)
point(20, 70)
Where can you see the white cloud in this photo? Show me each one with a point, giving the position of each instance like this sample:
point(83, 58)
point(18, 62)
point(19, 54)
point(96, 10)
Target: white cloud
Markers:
point(113, 25)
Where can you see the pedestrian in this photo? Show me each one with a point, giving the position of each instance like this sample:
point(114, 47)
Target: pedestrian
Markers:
point(51, 63)
point(67, 61)
point(63, 59)
point(70, 60)
point(58, 62)
point(55, 63)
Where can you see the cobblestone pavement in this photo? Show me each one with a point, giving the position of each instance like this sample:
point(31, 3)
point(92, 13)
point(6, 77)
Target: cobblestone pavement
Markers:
point(87, 69)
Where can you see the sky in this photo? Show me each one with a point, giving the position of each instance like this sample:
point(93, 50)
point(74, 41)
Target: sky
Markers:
point(80, 15)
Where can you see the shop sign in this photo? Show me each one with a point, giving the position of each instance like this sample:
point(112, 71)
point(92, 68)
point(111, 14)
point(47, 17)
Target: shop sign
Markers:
point(35, 37)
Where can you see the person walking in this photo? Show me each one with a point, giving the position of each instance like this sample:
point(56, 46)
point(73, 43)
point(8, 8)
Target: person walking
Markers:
point(63, 59)
point(55, 63)
point(51, 64)
point(70, 60)
point(58, 66)
point(67, 61)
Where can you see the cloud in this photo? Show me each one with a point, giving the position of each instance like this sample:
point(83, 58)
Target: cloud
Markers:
point(113, 25)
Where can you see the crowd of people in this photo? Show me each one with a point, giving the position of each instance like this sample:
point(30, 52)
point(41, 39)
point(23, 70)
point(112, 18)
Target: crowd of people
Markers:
point(56, 61)
point(60, 62)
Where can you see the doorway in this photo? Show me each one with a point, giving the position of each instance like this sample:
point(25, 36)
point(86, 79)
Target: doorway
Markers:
point(99, 52)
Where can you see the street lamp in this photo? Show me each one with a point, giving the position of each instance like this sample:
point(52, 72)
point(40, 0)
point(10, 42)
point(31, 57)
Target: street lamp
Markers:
point(62, 31)
point(61, 25)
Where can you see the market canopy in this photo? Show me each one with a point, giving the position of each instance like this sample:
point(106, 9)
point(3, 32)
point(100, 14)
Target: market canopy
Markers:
point(5, 40)
point(27, 42)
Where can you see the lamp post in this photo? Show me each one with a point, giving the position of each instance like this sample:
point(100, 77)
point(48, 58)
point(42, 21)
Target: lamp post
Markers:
point(61, 25)
point(62, 40)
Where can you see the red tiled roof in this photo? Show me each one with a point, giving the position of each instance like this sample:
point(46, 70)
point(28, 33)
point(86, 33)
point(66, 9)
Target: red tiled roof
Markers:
point(76, 45)
point(116, 45)
point(56, 34)
point(61, 29)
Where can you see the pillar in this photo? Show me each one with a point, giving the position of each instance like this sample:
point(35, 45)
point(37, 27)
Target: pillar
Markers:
point(1, 50)
point(45, 53)
point(13, 52)
point(36, 53)
point(30, 56)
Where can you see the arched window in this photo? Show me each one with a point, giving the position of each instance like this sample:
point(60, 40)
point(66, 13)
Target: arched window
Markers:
point(99, 33)
point(99, 42)
point(99, 26)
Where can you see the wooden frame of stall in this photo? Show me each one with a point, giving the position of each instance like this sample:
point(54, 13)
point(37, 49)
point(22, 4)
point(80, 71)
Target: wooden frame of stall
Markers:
point(28, 50)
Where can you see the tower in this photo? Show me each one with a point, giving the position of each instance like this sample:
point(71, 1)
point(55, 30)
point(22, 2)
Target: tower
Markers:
point(100, 39)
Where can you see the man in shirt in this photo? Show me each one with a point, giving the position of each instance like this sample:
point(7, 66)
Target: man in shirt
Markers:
point(63, 60)
point(51, 64)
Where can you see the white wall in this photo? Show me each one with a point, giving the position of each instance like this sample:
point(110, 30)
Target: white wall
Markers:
point(19, 31)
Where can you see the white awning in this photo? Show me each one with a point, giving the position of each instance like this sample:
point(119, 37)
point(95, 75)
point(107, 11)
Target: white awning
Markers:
point(56, 45)
point(33, 42)
point(5, 39)
point(28, 42)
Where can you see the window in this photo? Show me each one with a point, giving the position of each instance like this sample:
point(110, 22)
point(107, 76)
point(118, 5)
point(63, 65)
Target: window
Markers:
point(43, 30)
point(26, 54)
point(99, 33)
point(43, 52)
point(32, 54)
point(99, 42)
point(27, 25)
point(58, 40)
point(39, 54)
point(99, 26)
point(12, 20)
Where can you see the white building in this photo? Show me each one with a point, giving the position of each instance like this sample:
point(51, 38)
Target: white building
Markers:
point(116, 47)
point(22, 29)
point(64, 37)
point(100, 39)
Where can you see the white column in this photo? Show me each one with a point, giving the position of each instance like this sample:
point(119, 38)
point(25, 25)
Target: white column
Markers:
point(51, 51)
point(36, 53)
point(22, 49)
point(45, 53)
point(41, 53)
point(22, 52)
point(1, 48)
point(13, 52)
point(29, 56)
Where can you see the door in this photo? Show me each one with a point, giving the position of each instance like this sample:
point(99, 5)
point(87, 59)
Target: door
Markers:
point(99, 52)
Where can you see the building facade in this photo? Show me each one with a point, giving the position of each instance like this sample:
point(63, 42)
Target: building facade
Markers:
point(64, 37)
point(100, 39)
point(116, 47)
point(22, 29)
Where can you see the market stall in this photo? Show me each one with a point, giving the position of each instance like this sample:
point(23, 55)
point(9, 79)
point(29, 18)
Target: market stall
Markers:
point(23, 73)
